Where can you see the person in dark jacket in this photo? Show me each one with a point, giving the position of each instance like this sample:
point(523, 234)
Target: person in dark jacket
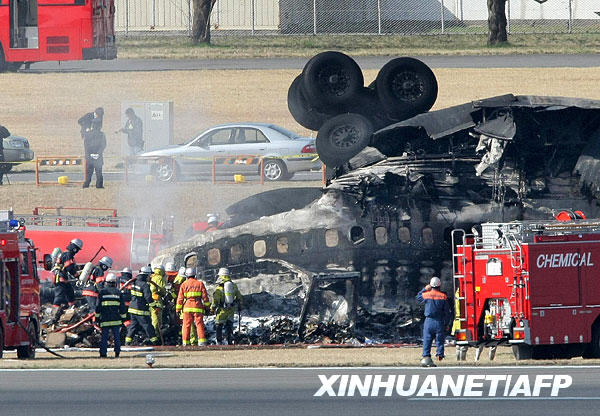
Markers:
point(4, 133)
point(91, 120)
point(437, 320)
point(65, 270)
point(91, 289)
point(141, 298)
point(110, 313)
point(94, 142)
point(134, 129)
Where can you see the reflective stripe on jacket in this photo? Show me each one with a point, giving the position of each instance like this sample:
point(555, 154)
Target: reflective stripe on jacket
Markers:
point(110, 310)
point(192, 297)
point(141, 297)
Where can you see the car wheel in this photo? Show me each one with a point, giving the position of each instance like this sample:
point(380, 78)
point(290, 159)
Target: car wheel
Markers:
point(342, 137)
point(306, 115)
point(27, 352)
point(167, 170)
point(406, 87)
point(331, 79)
point(274, 170)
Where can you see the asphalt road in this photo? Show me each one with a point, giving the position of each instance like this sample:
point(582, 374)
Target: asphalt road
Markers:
point(366, 62)
point(289, 392)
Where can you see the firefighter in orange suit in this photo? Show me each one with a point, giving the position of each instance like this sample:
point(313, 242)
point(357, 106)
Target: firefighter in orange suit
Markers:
point(192, 301)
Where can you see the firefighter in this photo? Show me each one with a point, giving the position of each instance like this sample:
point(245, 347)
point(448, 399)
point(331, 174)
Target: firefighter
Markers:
point(225, 299)
point(193, 301)
point(139, 310)
point(213, 224)
point(158, 290)
point(65, 269)
point(177, 282)
point(437, 320)
point(91, 288)
point(125, 287)
point(110, 314)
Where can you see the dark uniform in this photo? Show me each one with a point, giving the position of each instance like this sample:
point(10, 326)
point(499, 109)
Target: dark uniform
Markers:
point(134, 128)
point(437, 319)
point(65, 270)
point(110, 313)
point(91, 289)
point(141, 297)
point(94, 142)
point(91, 120)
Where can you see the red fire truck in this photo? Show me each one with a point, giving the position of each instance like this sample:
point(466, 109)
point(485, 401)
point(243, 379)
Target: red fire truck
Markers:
point(131, 242)
point(534, 285)
point(55, 30)
point(19, 290)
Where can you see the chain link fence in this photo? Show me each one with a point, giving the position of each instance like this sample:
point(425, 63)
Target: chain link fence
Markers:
point(358, 16)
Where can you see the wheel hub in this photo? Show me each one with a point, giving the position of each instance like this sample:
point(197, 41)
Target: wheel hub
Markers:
point(344, 137)
point(407, 86)
point(333, 80)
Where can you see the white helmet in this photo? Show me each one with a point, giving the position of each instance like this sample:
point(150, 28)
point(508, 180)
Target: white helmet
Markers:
point(145, 270)
point(435, 282)
point(160, 267)
point(107, 261)
point(181, 271)
point(127, 270)
point(170, 267)
point(190, 272)
point(213, 219)
point(111, 278)
point(223, 271)
point(77, 243)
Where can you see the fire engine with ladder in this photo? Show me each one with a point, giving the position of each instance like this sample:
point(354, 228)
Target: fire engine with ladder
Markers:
point(19, 289)
point(534, 285)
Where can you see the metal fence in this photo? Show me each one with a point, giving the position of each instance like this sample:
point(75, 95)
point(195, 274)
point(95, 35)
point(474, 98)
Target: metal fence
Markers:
point(359, 16)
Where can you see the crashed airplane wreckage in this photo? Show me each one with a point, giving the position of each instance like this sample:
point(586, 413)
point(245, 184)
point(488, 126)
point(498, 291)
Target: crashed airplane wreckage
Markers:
point(388, 212)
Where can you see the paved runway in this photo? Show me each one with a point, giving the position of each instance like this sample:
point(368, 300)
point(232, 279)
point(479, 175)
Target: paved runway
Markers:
point(291, 392)
point(366, 62)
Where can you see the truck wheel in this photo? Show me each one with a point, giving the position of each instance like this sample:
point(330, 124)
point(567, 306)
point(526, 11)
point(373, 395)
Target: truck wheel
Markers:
point(593, 350)
point(306, 115)
point(522, 352)
point(27, 352)
point(406, 87)
point(331, 78)
point(3, 63)
point(342, 137)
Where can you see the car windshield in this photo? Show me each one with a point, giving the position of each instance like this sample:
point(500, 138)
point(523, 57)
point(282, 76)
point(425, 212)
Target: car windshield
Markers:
point(285, 132)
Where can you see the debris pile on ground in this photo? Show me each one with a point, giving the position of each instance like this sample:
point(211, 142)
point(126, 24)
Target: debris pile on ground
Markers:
point(72, 326)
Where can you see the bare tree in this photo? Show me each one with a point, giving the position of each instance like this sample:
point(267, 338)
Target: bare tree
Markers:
point(201, 23)
point(497, 22)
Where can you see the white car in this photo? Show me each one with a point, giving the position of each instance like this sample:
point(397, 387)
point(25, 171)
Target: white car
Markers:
point(238, 148)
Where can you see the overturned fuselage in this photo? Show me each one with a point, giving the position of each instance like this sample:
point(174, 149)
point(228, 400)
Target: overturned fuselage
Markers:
point(390, 210)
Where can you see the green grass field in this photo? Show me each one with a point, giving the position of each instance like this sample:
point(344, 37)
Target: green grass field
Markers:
point(269, 46)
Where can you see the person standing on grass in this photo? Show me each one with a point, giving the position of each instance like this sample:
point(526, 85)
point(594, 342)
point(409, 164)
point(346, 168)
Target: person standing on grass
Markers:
point(94, 142)
point(134, 129)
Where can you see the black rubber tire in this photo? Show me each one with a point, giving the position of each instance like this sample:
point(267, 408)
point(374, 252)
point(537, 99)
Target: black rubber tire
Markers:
point(274, 170)
point(306, 115)
point(593, 350)
point(27, 352)
point(3, 63)
point(406, 87)
point(165, 172)
point(331, 79)
point(1, 341)
point(342, 137)
point(522, 352)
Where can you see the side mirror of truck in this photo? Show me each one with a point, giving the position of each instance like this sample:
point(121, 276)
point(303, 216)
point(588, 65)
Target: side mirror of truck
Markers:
point(48, 262)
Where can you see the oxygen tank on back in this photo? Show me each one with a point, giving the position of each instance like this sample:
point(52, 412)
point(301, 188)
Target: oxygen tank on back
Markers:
point(85, 273)
point(55, 254)
point(228, 289)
